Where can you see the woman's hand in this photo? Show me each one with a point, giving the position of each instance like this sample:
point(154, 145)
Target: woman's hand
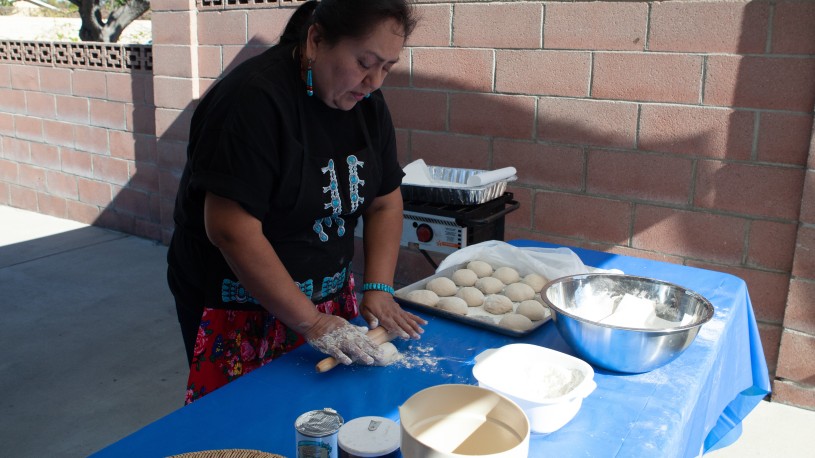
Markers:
point(379, 309)
point(347, 343)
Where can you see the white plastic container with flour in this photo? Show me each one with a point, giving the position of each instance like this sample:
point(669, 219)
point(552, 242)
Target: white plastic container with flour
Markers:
point(548, 385)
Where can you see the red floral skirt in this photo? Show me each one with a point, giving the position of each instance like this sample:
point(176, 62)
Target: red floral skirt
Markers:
point(231, 343)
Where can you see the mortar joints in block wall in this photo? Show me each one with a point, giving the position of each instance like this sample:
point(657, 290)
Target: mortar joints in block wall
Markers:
point(494, 87)
point(756, 130)
point(543, 21)
point(591, 75)
point(535, 106)
point(704, 79)
point(768, 45)
point(692, 189)
point(453, 25)
point(584, 185)
point(647, 44)
point(637, 127)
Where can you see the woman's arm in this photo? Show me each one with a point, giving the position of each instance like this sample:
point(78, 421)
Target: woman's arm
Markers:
point(239, 237)
point(382, 231)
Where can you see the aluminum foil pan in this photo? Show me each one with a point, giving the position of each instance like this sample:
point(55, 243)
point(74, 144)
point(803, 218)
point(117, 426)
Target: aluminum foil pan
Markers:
point(456, 193)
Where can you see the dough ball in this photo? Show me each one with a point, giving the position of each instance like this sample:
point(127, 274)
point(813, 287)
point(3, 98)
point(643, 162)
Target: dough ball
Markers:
point(442, 286)
point(423, 296)
point(471, 295)
point(508, 275)
point(464, 277)
point(489, 285)
point(497, 304)
point(481, 268)
point(533, 310)
point(515, 322)
point(453, 305)
point(518, 292)
point(389, 355)
point(537, 282)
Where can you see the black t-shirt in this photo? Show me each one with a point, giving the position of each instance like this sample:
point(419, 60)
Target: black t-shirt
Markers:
point(305, 170)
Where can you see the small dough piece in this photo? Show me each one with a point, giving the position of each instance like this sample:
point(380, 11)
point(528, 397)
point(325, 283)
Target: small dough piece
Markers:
point(423, 296)
point(516, 322)
point(464, 277)
point(537, 282)
point(471, 295)
point(389, 355)
point(489, 285)
point(533, 310)
point(497, 304)
point(481, 268)
point(507, 275)
point(519, 292)
point(453, 305)
point(442, 286)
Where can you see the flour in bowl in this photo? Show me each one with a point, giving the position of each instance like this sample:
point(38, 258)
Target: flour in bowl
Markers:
point(545, 381)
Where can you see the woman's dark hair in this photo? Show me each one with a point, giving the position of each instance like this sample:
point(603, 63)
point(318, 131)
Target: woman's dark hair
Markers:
point(340, 19)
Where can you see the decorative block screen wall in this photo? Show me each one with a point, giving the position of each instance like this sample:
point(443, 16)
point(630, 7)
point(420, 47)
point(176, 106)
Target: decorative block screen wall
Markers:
point(89, 56)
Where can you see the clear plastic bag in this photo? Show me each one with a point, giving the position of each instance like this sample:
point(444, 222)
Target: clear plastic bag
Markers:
point(551, 263)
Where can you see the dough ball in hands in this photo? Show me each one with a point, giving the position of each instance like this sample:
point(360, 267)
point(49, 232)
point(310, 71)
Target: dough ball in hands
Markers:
point(481, 268)
point(464, 277)
point(507, 275)
point(515, 322)
point(537, 282)
point(471, 295)
point(453, 305)
point(489, 285)
point(518, 292)
point(442, 286)
point(533, 310)
point(389, 355)
point(497, 304)
point(423, 296)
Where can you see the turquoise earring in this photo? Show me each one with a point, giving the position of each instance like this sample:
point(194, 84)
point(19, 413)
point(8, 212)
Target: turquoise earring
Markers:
point(309, 80)
point(368, 95)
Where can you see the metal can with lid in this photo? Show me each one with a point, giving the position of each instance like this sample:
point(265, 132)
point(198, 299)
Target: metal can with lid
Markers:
point(316, 433)
point(370, 437)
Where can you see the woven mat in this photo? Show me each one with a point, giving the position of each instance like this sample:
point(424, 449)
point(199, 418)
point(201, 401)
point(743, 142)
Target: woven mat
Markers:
point(228, 453)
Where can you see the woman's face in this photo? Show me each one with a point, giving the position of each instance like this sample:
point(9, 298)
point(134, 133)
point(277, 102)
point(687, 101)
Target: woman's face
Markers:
point(344, 73)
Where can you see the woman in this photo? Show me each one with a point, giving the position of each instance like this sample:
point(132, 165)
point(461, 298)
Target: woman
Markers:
point(285, 154)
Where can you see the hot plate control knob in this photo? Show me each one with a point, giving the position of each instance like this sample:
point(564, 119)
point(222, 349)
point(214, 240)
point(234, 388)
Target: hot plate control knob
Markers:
point(424, 233)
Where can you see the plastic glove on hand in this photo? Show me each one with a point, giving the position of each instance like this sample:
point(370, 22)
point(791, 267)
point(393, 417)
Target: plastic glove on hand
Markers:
point(344, 341)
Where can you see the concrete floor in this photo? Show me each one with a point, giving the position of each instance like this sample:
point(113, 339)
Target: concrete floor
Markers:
point(90, 345)
point(90, 349)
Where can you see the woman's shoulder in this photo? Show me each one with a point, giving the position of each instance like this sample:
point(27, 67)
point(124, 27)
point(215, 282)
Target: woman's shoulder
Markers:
point(258, 86)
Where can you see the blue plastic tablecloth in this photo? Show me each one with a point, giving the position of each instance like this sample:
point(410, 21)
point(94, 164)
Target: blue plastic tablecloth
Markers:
point(680, 409)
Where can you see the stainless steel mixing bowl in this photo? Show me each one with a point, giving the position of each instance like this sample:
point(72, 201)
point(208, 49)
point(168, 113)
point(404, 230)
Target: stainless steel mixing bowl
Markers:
point(623, 349)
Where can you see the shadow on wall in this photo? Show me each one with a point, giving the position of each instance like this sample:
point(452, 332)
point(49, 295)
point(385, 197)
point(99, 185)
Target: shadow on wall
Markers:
point(698, 195)
point(144, 203)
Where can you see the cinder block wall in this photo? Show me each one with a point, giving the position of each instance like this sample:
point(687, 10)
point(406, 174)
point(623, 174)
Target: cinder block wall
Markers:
point(679, 131)
point(77, 134)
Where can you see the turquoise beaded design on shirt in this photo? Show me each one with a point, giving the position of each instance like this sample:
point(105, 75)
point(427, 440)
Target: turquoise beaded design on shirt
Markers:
point(335, 204)
point(354, 182)
point(232, 291)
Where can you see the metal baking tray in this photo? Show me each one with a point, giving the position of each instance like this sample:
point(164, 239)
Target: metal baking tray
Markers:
point(454, 194)
point(468, 319)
